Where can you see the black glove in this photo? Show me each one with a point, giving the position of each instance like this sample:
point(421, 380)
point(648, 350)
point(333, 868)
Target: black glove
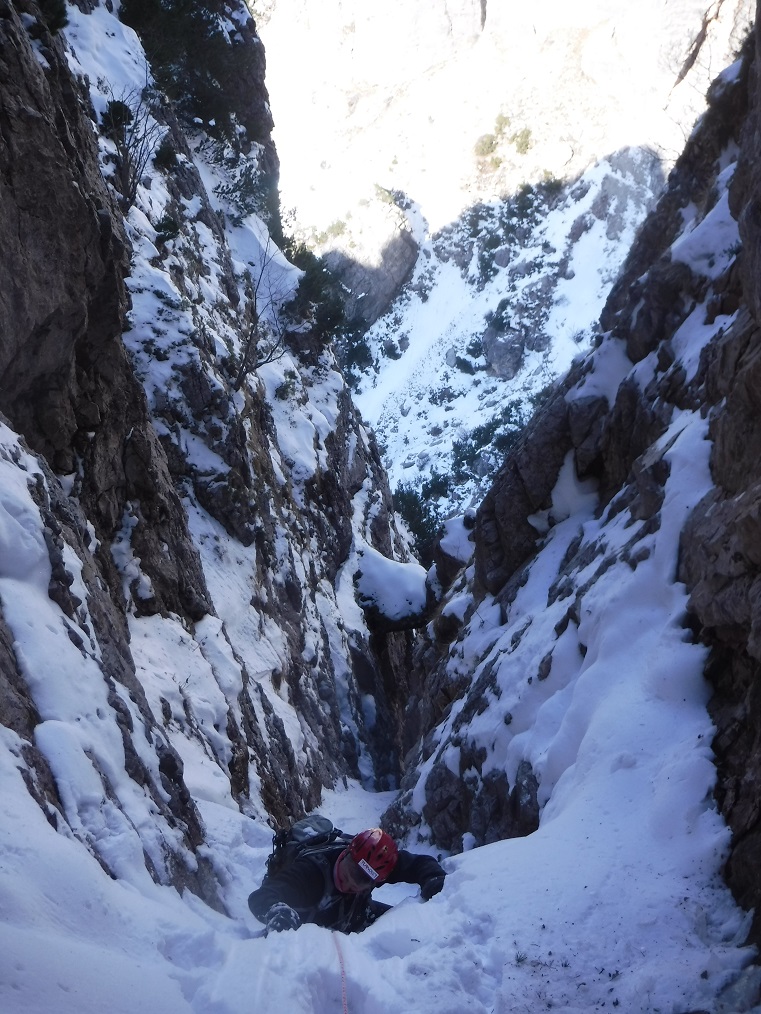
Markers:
point(281, 917)
point(431, 887)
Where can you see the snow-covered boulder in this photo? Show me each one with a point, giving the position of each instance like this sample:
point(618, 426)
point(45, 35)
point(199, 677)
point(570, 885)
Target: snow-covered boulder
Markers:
point(393, 594)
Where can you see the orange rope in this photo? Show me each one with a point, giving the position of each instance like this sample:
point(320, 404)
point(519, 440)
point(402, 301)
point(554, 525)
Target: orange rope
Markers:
point(343, 972)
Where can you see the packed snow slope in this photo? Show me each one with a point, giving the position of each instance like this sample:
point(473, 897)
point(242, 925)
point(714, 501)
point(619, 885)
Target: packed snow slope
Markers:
point(138, 796)
point(610, 904)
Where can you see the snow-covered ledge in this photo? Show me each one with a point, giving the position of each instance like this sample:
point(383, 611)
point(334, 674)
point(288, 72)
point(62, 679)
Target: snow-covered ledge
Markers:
point(393, 595)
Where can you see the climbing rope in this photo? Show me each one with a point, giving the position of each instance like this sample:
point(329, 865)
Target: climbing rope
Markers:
point(343, 972)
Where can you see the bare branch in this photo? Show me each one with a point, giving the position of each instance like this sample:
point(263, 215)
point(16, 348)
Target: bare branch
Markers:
point(129, 122)
point(267, 331)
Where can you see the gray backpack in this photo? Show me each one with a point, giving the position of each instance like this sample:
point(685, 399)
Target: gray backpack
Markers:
point(308, 836)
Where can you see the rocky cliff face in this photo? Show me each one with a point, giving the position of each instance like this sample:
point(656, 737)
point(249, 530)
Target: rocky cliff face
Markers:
point(69, 389)
point(68, 386)
point(186, 526)
point(680, 338)
point(720, 546)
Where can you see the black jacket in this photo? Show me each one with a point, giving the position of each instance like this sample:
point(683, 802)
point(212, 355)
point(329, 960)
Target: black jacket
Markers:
point(306, 885)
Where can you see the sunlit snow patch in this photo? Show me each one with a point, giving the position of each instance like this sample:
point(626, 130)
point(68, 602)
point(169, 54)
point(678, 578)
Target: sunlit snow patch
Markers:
point(396, 590)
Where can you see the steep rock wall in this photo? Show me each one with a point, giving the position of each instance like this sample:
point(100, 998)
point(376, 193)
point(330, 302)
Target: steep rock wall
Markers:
point(682, 331)
point(720, 547)
point(190, 539)
point(69, 388)
point(67, 384)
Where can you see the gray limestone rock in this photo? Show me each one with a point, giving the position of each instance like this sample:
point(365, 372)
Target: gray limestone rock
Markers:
point(66, 382)
point(504, 536)
point(372, 286)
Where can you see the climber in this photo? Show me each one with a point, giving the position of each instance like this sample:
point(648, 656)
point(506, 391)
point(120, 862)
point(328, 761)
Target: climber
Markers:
point(332, 886)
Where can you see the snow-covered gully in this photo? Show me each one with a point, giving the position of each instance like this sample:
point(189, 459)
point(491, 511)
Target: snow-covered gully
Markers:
point(135, 814)
point(616, 901)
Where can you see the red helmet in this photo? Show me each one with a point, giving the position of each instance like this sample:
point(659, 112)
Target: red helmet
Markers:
point(375, 852)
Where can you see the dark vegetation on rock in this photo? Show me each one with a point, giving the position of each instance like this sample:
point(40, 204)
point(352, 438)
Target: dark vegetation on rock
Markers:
point(210, 74)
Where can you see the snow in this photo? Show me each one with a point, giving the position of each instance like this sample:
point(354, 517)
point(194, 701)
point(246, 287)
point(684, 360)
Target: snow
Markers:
point(609, 366)
point(456, 539)
point(594, 908)
point(615, 901)
point(111, 54)
point(395, 589)
point(710, 249)
point(429, 395)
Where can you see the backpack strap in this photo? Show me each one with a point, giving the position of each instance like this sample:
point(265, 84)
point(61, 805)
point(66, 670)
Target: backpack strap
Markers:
point(347, 907)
